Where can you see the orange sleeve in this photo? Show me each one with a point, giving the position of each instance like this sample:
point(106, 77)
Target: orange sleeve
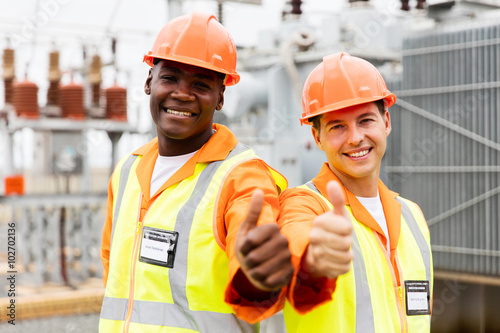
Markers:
point(106, 235)
point(299, 207)
point(233, 203)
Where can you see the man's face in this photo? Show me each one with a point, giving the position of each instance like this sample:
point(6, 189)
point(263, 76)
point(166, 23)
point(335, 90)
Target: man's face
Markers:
point(183, 99)
point(354, 140)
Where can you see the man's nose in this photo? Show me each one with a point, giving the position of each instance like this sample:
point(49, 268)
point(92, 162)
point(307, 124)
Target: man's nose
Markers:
point(355, 135)
point(183, 92)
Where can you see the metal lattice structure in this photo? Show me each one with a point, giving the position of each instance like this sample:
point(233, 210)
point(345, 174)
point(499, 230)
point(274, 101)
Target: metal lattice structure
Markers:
point(444, 151)
point(43, 247)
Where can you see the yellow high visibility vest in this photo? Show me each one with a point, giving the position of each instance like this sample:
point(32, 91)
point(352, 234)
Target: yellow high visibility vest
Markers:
point(188, 297)
point(367, 298)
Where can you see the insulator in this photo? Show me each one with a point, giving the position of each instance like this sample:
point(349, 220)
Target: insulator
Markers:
point(54, 72)
point(8, 64)
point(95, 70)
point(296, 4)
point(71, 101)
point(420, 4)
point(8, 85)
point(116, 103)
point(25, 99)
point(405, 5)
point(96, 94)
point(53, 94)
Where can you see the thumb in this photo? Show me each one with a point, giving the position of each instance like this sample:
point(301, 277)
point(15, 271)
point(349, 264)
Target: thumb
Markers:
point(337, 197)
point(253, 212)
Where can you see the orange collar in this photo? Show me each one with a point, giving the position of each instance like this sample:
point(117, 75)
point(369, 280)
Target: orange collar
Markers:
point(392, 208)
point(216, 148)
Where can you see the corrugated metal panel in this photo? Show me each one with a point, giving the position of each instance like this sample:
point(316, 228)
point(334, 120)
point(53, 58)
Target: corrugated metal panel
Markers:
point(444, 148)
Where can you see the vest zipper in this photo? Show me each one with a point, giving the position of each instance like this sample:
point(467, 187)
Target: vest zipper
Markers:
point(132, 281)
point(401, 300)
point(132, 266)
point(399, 294)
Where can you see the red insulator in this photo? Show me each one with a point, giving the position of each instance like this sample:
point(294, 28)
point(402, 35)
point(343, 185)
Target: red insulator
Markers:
point(71, 101)
point(116, 103)
point(25, 99)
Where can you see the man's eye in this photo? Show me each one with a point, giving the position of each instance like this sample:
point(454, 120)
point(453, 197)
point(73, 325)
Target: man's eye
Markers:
point(168, 78)
point(202, 85)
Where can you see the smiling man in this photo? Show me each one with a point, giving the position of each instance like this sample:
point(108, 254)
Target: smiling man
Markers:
point(368, 261)
point(190, 241)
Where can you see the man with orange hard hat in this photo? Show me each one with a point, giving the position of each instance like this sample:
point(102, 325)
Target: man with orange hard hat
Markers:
point(190, 242)
point(370, 256)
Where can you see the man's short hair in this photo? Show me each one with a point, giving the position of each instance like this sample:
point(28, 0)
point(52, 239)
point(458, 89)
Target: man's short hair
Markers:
point(315, 121)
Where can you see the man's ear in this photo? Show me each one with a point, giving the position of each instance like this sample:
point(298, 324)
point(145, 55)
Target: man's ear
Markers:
point(315, 132)
point(147, 85)
point(387, 119)
point(220, 103)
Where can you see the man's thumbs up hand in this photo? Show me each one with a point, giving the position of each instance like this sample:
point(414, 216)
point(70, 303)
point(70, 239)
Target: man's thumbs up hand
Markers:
point(329, 252)
point(263, 251)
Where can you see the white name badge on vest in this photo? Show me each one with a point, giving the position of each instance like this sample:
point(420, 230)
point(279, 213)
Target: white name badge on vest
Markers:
point(418, 298)
point(158, 247)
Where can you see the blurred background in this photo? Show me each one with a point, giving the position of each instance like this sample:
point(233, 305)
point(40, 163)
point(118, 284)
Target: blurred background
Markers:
point(72, 103)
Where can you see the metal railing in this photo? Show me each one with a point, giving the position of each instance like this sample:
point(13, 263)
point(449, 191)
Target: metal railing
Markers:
point(58, 237)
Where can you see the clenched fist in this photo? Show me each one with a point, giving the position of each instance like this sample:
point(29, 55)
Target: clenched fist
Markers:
point(329, 252)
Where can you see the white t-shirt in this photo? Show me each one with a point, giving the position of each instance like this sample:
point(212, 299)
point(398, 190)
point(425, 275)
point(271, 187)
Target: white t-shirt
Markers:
point(374, 207)
point(165, 167)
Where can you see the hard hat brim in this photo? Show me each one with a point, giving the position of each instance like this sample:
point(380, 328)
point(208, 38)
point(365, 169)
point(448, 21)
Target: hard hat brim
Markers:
point(390, 98)
point(231, 79)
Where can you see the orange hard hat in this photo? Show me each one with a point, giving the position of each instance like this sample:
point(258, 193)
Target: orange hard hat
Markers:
point(341, 81)
point(199, 40)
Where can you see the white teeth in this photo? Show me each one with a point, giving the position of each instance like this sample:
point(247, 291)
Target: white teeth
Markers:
point(359, 153)
point(181, 113)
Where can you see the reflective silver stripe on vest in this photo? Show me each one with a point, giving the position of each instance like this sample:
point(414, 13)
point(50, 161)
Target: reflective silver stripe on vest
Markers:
point(124, 173)
point(168, 315)
point(312, 187)
point(364, 310)
point(114, 308)
point(199, 320)
point(419, 237)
